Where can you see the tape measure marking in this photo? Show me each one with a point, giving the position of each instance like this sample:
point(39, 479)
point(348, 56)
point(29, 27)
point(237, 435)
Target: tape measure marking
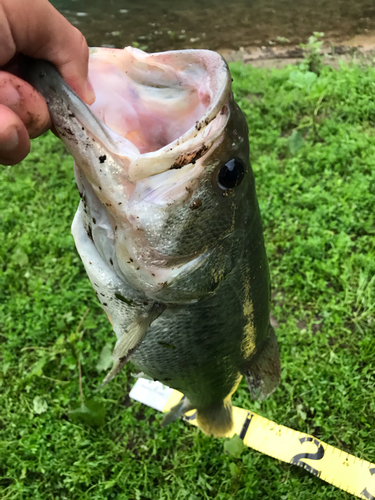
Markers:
point(345, 471)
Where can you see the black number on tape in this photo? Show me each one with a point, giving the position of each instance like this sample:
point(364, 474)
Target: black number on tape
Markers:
point(298, 459)
point(246, 425)
point(365, 492)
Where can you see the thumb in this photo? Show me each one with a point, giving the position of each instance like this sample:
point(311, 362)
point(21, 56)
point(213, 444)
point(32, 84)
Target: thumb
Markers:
point(38, 30)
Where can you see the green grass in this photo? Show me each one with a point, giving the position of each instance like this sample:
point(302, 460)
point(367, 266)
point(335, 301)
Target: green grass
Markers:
point(313, 154)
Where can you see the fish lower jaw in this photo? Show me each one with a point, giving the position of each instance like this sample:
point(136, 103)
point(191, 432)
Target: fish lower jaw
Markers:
point(168, 284)
point(154, 282)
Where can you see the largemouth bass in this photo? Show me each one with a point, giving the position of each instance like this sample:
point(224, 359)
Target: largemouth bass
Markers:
point(168, 227)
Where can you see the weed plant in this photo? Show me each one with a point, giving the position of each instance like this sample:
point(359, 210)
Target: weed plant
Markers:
point(312, 138)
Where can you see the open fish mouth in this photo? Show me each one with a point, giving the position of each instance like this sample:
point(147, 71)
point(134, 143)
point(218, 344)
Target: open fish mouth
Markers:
point(167, 108)
point(159, 100)
point(169, 103)
point(154, 112)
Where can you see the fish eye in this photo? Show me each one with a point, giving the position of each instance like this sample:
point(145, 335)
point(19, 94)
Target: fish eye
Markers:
point(231, 174)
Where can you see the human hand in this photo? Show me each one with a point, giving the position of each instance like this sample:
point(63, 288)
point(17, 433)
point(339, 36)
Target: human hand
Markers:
point(35, 28)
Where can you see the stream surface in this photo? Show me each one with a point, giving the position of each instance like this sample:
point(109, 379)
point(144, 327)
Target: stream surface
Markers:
point(156, 25)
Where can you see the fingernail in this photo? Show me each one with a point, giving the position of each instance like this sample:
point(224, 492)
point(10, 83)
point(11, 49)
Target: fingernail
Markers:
point(10, 96)
point(9, 140)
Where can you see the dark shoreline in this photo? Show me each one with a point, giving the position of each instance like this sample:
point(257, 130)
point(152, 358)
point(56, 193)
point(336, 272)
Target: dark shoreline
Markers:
point(214, 24)
point(360, 47)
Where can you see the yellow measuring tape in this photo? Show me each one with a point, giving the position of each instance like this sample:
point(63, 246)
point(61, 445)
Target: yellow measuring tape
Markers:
point(334, 466)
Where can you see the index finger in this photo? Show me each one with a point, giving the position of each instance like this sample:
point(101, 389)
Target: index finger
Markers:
point(38, 30)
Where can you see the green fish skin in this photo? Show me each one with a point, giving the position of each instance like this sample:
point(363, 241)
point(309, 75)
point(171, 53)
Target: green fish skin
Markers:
point(168, 227)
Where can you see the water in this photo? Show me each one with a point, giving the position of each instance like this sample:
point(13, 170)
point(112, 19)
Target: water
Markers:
point(156, 25)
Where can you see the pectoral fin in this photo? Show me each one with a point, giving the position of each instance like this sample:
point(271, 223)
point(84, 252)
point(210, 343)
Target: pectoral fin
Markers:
point(131, 340)
point(263, 373)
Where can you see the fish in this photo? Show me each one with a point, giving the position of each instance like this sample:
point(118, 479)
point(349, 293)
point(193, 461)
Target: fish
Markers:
point(169, 227)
